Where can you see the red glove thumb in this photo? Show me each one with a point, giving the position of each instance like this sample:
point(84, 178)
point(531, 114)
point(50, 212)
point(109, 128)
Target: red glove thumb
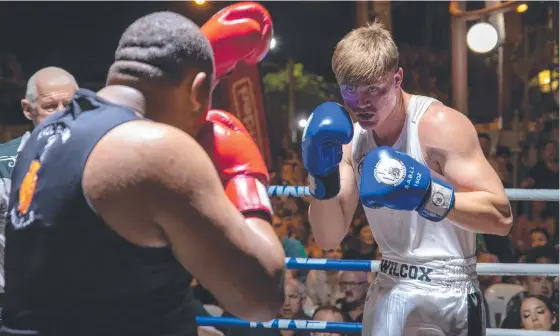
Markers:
point(239, 32)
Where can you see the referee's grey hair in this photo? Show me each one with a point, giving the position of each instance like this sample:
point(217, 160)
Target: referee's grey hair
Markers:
point(31, 90)
point(162, 46)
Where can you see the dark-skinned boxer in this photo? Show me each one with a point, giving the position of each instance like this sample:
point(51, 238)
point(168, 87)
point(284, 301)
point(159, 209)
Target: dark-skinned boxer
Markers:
point(139, 208)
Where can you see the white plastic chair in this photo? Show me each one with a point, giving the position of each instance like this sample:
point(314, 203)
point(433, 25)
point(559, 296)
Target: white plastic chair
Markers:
point(497, 296)
point(213, 310)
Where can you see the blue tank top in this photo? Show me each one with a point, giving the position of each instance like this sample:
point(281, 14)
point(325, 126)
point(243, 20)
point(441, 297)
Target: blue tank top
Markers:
point(68, 273)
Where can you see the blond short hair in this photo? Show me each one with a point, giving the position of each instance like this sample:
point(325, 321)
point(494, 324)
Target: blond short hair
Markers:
point(365, 55)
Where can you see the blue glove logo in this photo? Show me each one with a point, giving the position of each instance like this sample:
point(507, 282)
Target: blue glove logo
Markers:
point(438, 199)
point(389, 171)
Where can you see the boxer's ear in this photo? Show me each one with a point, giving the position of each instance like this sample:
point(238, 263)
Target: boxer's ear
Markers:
point(398, 78)
point(200, 90)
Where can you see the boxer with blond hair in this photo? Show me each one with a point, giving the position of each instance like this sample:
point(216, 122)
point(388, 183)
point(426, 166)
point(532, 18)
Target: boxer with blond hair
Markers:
point(417, 168)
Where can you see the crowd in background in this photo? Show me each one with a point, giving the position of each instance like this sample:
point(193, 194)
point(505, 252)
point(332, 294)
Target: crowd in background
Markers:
point(532, 302)
point(340, 296)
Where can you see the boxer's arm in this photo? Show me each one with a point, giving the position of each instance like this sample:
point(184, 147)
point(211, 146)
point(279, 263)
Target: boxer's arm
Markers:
point(330, 219)
point(164, 175)
point(450, 139)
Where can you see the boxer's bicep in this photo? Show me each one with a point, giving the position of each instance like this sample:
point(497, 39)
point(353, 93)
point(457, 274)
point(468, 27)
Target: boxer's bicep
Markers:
point(160, 187)
point(451, 141)
point(462, 160)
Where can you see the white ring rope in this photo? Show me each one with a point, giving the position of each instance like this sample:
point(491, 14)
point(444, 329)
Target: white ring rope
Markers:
point(512, 332)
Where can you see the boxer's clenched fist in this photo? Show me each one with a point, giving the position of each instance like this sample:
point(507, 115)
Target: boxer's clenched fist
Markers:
point(397, 181)
point(238, 33)
point(328, 128)
point(238, 161)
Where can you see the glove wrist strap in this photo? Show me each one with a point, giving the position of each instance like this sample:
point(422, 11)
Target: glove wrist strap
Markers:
point(324, 187)
point(249, 195)
point(438, 202)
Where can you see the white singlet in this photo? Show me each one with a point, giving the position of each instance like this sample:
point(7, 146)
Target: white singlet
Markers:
point(405, 235)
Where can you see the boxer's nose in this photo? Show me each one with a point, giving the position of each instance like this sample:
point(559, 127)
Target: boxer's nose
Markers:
point(363, 102)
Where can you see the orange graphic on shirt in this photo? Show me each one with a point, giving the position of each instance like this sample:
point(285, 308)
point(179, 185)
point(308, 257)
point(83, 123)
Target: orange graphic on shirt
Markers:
point(27, 189)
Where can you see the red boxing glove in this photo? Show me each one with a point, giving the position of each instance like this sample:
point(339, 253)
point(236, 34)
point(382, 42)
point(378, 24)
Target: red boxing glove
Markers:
point(238, 161)
point(239, 32)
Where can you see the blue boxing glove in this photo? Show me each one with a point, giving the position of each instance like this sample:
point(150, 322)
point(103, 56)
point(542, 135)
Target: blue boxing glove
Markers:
point(328, 128)
point(397, 181)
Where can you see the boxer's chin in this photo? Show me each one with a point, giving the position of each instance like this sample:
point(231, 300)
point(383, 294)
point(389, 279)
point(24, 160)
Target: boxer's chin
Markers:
point(368, 124)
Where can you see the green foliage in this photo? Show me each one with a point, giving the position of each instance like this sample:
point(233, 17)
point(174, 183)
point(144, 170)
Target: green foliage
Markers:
point(305, 83)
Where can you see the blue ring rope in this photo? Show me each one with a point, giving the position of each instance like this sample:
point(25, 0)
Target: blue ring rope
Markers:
point(513, 194)
point(279, 324)
point(343, 327)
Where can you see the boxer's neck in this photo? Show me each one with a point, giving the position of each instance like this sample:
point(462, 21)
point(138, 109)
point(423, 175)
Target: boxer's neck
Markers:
point(125, 96)
point(147, 99)
point(387, 132)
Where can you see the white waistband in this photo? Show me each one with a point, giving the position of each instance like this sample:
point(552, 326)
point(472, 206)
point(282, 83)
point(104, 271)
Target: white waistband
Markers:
point(433, 271)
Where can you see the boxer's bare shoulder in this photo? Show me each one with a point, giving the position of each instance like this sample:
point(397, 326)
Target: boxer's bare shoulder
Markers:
point(136, 161)
point(442, 130)
point(450, 145)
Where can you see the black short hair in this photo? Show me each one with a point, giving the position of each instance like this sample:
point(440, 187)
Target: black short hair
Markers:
point(544, 232)
point(163, 45)
point(548, 252)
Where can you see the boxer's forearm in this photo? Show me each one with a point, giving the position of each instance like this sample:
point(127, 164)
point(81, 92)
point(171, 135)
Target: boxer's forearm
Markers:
point(482, 212)
point(271, 256)
point(330, 219)
point(328, 224)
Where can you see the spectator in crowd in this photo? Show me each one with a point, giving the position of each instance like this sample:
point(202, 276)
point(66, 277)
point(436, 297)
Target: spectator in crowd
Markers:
point(544, 175)
point(327, 314)
point(354, 286)
point(537, 313)
point(48, 90)
point(540, 237)
point(288, 174)
point(486, 145)
point(504, 168)
point(302, 232)
point(537, 218)
point(526, 159)
point(535, 285)
point(362, 246)
point(294, 293)
point(322, 287)
point(555, 132)
point(292, 247)
point(292, 309)
point(298, 226)
point(542, 255)
point(313, 250)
